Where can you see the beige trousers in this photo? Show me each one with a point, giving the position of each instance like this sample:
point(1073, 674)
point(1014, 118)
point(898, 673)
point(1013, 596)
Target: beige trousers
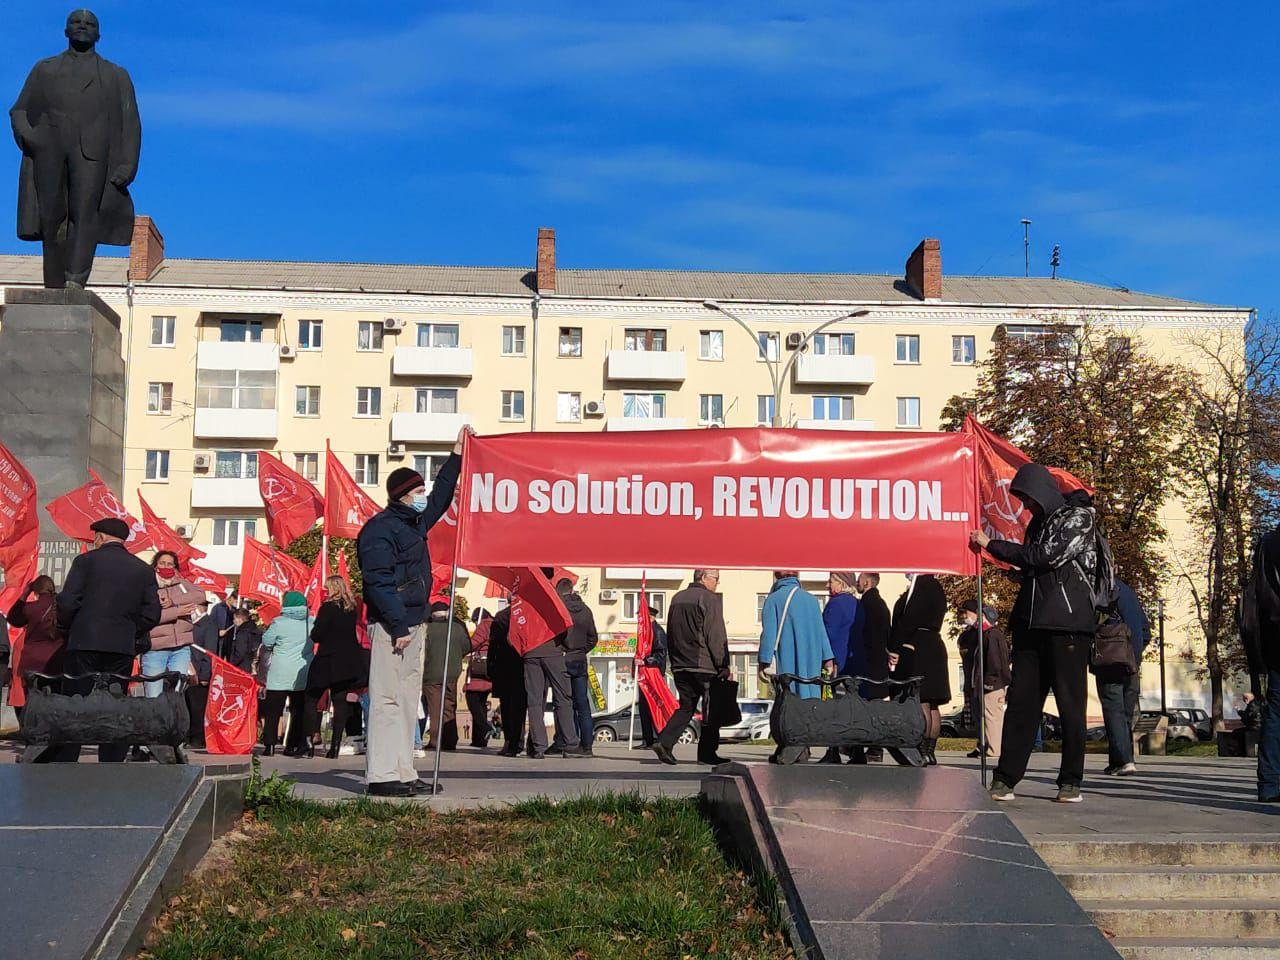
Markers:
point(395, 688)
point(993, 718)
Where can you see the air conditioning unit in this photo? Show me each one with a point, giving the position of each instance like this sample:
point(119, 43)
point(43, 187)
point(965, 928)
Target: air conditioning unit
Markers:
point(794, 340)
point(594, 408)
point(394, 324)
point(201, 462)
point(396, 450)
point(287, 351)
point(608, 596)
point(185, 530)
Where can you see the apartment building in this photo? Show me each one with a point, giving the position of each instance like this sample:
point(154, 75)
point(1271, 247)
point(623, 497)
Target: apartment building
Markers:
point(385, 362)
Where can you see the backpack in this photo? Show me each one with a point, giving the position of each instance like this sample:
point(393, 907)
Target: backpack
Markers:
point(1101, 580)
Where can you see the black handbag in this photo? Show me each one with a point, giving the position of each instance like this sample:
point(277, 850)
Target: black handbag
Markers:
point(722, 704)
point(1112, 650)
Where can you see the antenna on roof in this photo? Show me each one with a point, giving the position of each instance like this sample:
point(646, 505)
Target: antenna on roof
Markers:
point(1026, 247)
point(1055, 260)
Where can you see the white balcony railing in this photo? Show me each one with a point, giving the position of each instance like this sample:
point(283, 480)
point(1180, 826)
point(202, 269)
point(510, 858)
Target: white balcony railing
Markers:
point(225, 492)
point(646, 365)
point(836, 424)
point(427, 427)
point(219, 423)
point(835, 369)
point(432, 362)
point(616, 424)
point(216, 355)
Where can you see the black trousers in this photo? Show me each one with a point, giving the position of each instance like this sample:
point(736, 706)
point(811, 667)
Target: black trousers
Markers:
point(478, 704)
point(91, 661)
point(1043, 661)
point(513, 705)
point(692, 688)
point(197, 700)
point(273, 709)
point(341, 710)
point(646, 721)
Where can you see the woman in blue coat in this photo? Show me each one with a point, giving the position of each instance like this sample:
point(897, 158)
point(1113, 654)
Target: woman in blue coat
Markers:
point(794, 640)
point(842, 617)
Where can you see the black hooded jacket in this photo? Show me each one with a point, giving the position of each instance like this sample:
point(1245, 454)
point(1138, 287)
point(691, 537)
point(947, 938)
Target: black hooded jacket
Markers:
point(1260, 607)
point(1058, 555)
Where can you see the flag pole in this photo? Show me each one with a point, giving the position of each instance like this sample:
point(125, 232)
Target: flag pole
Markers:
point(444, 678)
point(981, 706)
point(635, 666)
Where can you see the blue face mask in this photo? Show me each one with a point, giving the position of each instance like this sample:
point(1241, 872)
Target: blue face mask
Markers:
point(420, 501)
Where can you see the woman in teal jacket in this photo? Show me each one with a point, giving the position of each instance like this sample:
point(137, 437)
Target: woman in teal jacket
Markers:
point(801, 646)
point(289, 642)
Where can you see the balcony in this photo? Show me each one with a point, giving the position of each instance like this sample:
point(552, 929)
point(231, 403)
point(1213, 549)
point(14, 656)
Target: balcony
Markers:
point(427, 427)
point(625, 424)
point(217, 423)
point(225, 492)
point(653, 573)
point(224, 560)
point(853, 371)
point(646, 365)
point(836, 424)
point(215, 355)
point(432, 362)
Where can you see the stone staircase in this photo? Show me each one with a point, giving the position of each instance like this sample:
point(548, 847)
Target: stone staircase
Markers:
point(1177, 898)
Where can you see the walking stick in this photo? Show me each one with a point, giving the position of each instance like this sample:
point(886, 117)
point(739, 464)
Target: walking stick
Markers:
point(444, 678)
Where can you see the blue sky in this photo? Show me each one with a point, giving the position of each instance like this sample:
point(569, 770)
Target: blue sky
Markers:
point(816, 136)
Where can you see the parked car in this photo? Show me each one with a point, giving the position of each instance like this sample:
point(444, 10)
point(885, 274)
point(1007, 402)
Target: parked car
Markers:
point(1195, 717)
point(615, 726)
point(755, 721)
point(1179, 728)
point(953, 725)
point(1096, 734)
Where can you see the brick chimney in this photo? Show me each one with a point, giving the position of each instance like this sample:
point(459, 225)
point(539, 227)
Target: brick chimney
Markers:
point(546, 260)
point(146, 249)
point(924, 270)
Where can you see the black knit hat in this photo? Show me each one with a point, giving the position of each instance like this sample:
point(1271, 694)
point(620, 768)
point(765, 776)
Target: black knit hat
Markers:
point(401, 481)
point(112, 527)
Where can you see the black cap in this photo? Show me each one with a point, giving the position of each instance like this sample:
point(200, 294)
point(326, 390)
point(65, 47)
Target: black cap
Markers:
point(402, 480)
point(112, 527)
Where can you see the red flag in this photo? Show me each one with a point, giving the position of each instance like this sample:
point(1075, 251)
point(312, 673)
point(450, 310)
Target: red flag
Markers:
point(346, 507)
point(19, 528)
point(293, 505)
point(163, 536)
point(265, 575)
point(442, 538)
point(206, 579)
point(73, 512)
point(651, 681)
point(343, 571)
point(537, 612)
point(231, 715)
point(315, 582)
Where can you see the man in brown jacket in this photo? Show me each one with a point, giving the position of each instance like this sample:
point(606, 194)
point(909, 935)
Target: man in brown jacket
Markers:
point(698, 648)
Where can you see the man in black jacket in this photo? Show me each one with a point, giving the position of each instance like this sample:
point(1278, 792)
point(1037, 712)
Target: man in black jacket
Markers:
point(876, 631)
point(546, 666)
point(1260, 631)
point(698, 646)
point(1119, 690)
point(392, 547)
point(506, 671)
point(107, 607)
point(578, 641)
point(1053, 624)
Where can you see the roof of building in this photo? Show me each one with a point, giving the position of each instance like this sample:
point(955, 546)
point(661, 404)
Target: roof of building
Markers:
point(649, 284)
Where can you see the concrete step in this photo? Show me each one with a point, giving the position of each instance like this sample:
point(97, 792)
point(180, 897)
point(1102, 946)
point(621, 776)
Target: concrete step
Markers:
point(1205, 919)
point(1179, 852)
point(1224, 949)
point(1179, 884)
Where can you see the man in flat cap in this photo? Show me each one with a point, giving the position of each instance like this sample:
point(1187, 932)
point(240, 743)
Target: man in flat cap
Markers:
point(107, 608)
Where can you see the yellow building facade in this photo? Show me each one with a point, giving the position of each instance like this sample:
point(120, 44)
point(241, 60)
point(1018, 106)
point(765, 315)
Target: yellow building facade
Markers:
point(385, 363)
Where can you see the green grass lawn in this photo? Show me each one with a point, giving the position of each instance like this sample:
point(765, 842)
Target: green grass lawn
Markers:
point(604, 877)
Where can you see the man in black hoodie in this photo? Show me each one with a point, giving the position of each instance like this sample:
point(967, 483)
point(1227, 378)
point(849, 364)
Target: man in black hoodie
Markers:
point(578, 641)
point(1260, 631)
point(1053, 624)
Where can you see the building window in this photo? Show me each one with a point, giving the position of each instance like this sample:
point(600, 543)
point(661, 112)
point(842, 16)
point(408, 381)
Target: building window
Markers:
point(512, 404)
point(1051, 339)
point(157, 464)
point(1119, 348)
point(429, 464)
point(162, 329)
point(631, 604)
point(368, 401)
point(367, 469)
point(308, 465)
point(444, 335)
point(645, 340)
point(711, 345)
point(513, 341)
point(963, 350)
point(232, 533)
point(235, 465)
point(436, 400)
point(833, 408)
point(310, 334)
point(644, 405)
point(908, 348)
point(236, 389)
point(711, 409)
point(768, 346)
point(909, 412)
point(160, 398)
point(760, 599)
point(764, 411)
point(833, 344)
point(570, 341)
point(568, 407)
point(369, 336)
point(240, 331)
point(307, 401)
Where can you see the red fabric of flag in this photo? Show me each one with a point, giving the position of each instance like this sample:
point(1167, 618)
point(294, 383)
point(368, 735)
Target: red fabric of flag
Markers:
point(346, 507)
point(164, 537)
point(76, 510)
point(343, 570)
point(537, 612)
point(292, 504)
point(231, 714)
point(265, 575)
point(19, 528)
point(651, 681)
point(315, 582)
point(206, 579)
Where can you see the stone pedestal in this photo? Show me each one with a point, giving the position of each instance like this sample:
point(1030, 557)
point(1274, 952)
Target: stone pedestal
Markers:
point(61, 398)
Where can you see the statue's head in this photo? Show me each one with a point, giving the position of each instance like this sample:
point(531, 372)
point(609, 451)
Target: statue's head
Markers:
point(82, 29)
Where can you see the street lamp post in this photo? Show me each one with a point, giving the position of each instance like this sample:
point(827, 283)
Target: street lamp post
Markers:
point(776, 375)
point(1160, 615)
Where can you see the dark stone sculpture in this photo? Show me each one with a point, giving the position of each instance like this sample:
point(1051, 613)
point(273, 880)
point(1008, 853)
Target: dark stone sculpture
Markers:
point(76, 122)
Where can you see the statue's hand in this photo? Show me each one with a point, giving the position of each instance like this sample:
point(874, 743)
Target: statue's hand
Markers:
point(121, 177)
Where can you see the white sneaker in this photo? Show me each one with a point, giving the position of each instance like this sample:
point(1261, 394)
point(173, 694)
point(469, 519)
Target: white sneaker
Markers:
point(419, 752)
point(1128, 770)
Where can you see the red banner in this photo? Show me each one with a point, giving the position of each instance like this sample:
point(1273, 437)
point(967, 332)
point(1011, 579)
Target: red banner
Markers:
point(292, 504)
point(746, 499)
point(19, 528)
point(346, 506)
point(537, 612)
point(73, 512)
point(206, 579)
point(231, 714)
point(164, 537)
point(265, 575)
